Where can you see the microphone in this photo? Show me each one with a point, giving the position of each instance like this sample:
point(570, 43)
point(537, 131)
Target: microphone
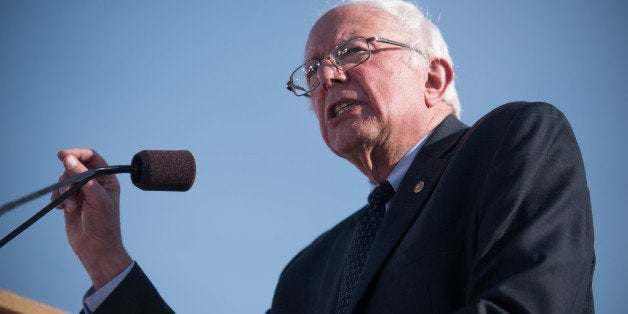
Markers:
point(151, 170)
point(163, 170)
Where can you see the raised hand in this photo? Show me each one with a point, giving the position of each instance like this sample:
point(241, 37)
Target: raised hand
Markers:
point(92, 217)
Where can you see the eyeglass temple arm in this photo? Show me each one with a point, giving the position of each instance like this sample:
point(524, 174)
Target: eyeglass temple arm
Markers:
point(396, 43)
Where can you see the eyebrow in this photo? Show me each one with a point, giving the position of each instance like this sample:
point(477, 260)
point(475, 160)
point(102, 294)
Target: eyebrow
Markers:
point(317, 57)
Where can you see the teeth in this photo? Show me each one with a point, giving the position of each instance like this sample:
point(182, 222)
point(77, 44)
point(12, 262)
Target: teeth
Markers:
point(342, 108)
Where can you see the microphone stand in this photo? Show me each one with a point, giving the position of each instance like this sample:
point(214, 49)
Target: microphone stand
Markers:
point(77, 182)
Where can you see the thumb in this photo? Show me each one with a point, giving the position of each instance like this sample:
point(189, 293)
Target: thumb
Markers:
point(92, 191)
point(73, 166)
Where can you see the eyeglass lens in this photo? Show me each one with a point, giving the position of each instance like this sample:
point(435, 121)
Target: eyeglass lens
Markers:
point(345, 56)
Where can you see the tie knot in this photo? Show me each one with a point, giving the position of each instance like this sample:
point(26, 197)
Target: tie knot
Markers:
point(382, 193)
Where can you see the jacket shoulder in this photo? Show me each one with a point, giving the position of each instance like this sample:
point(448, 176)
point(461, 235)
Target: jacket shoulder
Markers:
point(521, 108)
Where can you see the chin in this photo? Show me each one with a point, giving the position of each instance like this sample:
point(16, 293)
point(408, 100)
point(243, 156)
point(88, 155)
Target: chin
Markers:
point(352, 140)
point(346, 148)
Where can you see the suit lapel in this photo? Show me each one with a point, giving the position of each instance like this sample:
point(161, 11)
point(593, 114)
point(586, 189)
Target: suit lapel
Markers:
point(330, 282)
point(414, 190)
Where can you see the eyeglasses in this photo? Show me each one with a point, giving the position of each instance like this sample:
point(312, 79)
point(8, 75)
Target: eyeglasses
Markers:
point(344, 57)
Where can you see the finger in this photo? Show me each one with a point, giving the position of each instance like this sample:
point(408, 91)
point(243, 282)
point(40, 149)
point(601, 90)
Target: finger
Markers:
point(90, 159)
point(58, 192)
point(72, 220)
point(73, 166)
point(92, 191)
point(70, 203)
point(86, 156)
point(75, 161)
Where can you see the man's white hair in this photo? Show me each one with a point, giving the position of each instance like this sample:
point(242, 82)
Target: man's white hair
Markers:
point(423, 34)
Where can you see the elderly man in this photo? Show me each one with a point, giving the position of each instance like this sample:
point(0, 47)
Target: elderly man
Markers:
point(494, 218)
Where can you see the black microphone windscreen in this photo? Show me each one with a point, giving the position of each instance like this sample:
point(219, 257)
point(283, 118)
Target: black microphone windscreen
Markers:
point(164, 170)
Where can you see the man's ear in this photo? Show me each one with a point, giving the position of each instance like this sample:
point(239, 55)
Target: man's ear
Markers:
point(439, 76)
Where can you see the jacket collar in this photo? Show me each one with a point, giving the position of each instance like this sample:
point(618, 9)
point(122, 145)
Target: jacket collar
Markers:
point(409, 200)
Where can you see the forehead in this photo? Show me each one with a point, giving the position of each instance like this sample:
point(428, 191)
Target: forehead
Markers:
point(346, 22)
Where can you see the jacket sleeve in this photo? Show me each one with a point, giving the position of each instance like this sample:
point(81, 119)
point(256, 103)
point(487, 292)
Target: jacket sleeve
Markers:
point(135, 294)
point(532, 233)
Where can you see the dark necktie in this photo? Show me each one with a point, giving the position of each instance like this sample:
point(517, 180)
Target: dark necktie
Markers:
point(362, 242)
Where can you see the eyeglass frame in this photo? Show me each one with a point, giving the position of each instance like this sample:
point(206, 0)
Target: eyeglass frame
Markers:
point(291, 86)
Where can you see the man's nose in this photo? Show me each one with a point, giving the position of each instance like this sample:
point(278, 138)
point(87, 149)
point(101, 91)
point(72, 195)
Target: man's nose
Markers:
point(328, 73)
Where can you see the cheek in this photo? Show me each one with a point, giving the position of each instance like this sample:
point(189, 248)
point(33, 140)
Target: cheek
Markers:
point(319, 111)
point(378, 82)
point(387, 89)
point(318, 108)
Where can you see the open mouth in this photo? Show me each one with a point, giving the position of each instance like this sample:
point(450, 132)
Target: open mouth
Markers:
point(341, 108)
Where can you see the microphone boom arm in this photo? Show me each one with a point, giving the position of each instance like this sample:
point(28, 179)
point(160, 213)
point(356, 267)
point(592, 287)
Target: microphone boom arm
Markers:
point(77, 182)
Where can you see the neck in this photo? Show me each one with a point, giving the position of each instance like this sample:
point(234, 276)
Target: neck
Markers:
point(377, 162)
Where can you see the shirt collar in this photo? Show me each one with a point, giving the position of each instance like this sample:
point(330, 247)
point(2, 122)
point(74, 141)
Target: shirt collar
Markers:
point(400, 169)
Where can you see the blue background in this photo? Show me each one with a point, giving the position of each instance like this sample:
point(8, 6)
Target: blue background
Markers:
point(208, 76)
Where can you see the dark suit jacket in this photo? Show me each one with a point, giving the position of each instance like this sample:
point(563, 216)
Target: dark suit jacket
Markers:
point(495, 218)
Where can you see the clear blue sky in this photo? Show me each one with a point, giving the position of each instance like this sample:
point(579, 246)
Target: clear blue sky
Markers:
point(208, 76)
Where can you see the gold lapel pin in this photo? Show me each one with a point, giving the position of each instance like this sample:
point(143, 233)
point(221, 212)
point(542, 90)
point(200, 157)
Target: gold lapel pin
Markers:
point(419, 186)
